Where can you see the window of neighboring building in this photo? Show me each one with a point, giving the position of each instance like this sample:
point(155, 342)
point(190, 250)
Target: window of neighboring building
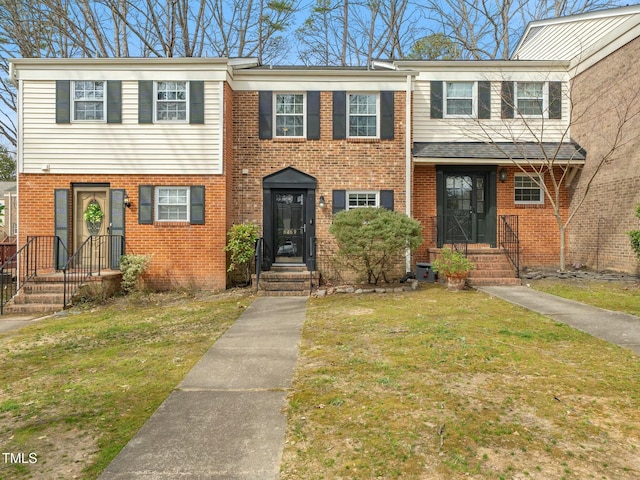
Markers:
point(530, 98)
point(362, 199)
point(362, 110)
point(289, 114)
point(528, 189)
point(172, 204)
point(89, 100)
point(459, 99)
point(172, 102)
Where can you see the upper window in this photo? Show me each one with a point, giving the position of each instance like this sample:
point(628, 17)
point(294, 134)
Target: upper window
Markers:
point(362, 110)
point(528, 189)
point(172, 204)
point(459, 99)
point(530, 98)
point(89, 100)
point(289, 114)
point(172, 102)
point(362, 200)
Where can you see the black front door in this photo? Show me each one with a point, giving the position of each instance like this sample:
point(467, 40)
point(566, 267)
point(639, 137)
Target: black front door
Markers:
point(289, 226)
point(467, 207)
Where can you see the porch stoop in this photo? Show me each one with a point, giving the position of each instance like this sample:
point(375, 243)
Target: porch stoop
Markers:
point(287, 281)
point(493, 268)
point(44, 294)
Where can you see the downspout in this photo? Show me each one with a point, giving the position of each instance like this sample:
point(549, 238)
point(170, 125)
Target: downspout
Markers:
point(408, 161)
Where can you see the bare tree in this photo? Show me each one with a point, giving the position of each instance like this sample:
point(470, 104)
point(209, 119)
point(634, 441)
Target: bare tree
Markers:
point(489, 28)
point(547, 164)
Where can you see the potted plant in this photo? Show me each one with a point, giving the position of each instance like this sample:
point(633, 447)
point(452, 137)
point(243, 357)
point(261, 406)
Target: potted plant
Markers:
point(454, 266)
point(93, 215)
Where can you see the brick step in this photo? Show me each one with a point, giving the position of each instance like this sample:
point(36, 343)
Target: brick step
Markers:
point(24, 298)
point(284, 293)
point(506, 272)
point(32, 308)
point(493, 282)
point(43, 288)
point(284, 277)
point(284, 286)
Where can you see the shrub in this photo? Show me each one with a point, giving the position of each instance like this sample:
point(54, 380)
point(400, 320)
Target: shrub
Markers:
point(634, 235)
point(133, 267)
point(452, 264)
point(369, 239)
point(241, 245)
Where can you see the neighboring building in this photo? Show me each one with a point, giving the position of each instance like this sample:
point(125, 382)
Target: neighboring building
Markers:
point(9, 216)
point(196, 145)
point(603, 48)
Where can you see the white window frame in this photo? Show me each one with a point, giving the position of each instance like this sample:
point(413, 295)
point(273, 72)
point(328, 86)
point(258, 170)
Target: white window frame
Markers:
point(372, 94)
point(303, 115)
point(362, 192)
point(545, 100)
point(157, 205)
point(75, 100)
point(156, 101)
point(530, 177)
point(474, 101)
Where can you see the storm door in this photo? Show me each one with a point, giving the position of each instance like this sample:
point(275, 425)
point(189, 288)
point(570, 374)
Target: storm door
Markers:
point(289, 226)
point(467, 208)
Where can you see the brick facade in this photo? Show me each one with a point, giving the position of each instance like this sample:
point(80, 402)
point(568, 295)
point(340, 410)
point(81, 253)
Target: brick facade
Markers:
point(184, 255)
point(336, 164)
point(598, 232)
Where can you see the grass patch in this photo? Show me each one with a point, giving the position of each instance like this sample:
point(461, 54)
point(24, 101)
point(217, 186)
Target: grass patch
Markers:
point(616, 296)
point(432, 384)
point(74, 390)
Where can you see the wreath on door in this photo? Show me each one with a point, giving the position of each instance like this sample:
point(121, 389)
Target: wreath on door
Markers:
point(93, 215)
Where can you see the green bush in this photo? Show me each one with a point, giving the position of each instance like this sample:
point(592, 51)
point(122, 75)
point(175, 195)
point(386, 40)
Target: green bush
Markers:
point(452, 264)
point(634, 235)
point(369, 239)
point(133, 267)
point(241, 245)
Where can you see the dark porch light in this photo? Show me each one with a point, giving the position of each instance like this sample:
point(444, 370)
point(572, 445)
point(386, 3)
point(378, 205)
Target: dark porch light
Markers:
point(321, 203)
point(503, 175)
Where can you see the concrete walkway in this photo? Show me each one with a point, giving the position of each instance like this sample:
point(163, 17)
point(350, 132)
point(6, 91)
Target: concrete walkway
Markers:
point(615, 327)
point(225, 420)
point(13, 322)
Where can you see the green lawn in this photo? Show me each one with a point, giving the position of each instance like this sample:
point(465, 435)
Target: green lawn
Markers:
point(74, 390)
point(438, 385)
point(617, 295)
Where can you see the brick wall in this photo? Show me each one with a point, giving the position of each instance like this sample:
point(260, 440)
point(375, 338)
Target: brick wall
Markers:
point(598, 232)
point(336, 164)
point(538, 229)
point(183, 255)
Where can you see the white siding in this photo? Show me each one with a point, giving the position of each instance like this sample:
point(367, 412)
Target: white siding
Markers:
point(426, 129)
point(127, 148)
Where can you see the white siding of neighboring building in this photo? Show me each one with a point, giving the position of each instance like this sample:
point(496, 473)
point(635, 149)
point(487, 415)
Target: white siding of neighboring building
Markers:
point(426, 129)
point(127, 148)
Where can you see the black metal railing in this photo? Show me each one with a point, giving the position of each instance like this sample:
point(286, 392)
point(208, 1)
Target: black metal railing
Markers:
point(97, 253)
point(453, 230)
point(259, 259)
point(508, 239)
point(40, 254)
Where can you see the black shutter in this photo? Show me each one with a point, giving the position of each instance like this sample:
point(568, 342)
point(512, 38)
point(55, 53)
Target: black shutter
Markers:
point(63, 101)
point(145, 101)
point(555, 100)
point(313, 115)
point(484, 100)
point(116, 228)
point(386, 199)
point(386, 115)
point(196, 102)
point(145, 204)
point(339, 201)
point(114, 101)
point(507, 100)
point(339, 115)
point(436, 99)
point(196, 215)
point(265, 112)
point(61, 225)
